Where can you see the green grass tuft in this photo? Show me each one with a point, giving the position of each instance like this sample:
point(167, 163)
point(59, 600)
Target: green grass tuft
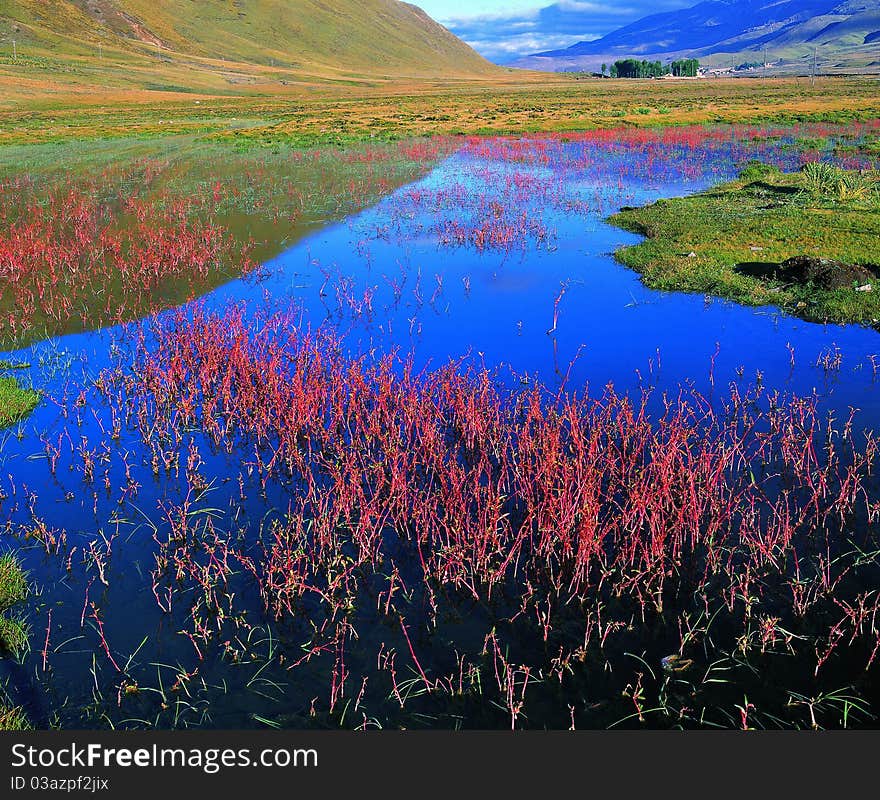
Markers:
point(16, 402)
point(13, 582)
point(13, 590)
point(13, 718)
point(823, 180)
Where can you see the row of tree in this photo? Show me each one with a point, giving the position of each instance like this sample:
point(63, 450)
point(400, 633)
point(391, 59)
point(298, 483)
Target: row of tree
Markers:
point(633, 68)
point(685, 68)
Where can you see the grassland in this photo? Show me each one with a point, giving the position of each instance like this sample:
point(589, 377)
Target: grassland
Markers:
point(379, 69)
point(48, 111)
point(729, 241)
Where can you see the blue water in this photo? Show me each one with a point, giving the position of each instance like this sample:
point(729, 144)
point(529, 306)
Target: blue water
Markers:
point(432, 299)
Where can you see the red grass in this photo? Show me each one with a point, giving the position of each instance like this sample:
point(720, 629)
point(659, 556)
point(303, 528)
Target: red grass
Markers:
point(629, 511)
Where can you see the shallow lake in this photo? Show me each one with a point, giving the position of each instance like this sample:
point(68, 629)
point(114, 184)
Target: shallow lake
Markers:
point(500, 257)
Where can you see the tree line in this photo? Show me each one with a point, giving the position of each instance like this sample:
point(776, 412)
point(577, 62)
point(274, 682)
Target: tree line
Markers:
point(633, 68)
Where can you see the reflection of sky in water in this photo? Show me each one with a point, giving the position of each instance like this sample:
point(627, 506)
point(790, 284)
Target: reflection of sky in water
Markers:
point(498, 305)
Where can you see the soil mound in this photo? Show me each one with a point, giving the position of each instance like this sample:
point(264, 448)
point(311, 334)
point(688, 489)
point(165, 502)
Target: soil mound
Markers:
point(823, 272)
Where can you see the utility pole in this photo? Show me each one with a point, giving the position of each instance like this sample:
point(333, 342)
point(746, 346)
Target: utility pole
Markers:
point(14, 51)
point(765, 61)
point(813, 70)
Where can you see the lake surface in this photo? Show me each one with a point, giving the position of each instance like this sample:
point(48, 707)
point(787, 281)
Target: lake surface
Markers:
point(501, 257)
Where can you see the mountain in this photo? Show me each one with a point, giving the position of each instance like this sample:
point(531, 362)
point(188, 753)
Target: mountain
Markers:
point(343, 38)
point(843, 33)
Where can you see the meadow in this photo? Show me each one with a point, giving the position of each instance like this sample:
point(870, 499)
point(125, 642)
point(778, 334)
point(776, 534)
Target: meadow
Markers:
point(341, 113)
point(347, 416)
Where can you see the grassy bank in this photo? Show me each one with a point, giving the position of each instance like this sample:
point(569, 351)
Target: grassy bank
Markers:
point(735, 241)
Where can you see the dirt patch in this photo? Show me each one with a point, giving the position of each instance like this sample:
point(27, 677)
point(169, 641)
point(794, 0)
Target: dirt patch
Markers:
point(772, 188)
point(823, 272)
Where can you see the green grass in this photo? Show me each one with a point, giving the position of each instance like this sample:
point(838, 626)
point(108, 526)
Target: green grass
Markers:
point(693, 244)
point(13, 636)
point(12, 718)
point(16, 402)
point(13, 590)
point(826, 181)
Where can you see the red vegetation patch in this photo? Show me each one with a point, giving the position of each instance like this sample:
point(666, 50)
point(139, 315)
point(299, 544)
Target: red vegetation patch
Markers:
point(581, 529)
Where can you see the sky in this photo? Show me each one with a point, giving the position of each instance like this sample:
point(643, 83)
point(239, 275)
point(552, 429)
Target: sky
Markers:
point(503, 30)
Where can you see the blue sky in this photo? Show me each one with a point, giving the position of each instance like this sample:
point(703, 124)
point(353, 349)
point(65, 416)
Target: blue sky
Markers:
point(502, 30)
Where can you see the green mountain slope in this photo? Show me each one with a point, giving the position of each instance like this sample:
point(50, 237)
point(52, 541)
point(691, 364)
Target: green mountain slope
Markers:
point(320, 38)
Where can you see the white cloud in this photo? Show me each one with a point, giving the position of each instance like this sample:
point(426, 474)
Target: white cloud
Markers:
point(524, 44)
point(505, 36)
point(496, 16)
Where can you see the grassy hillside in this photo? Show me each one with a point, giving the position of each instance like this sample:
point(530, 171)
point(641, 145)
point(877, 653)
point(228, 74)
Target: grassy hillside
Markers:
point(217, 44)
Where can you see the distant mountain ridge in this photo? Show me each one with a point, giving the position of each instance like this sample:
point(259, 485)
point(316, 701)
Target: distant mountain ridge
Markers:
point(849, 29)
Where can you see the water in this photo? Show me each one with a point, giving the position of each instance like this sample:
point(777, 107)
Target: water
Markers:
point(389, 278)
